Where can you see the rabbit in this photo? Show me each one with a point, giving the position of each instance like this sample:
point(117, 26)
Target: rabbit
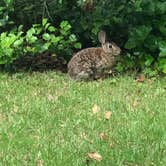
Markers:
point(94, 63)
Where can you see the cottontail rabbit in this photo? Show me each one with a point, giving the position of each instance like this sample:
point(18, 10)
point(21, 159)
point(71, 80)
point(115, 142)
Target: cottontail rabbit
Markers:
point(93, 63)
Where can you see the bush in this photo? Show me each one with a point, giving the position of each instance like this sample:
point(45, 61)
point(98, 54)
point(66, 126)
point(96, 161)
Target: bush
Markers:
point(45, 37)
point(6, 7)
point(11, 46)
point(38, 39)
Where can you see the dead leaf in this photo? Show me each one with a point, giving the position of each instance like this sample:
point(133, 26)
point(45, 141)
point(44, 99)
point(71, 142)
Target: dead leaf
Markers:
point(39, 163)
point(102, 136)
point(135, 103)
point(34, 93)
point(141, 78)
point(1, 116)
point(95, 109)
point(83, 136)
point(110, 145)
point(15, 109)
point(26, 157)
point(50, 97)
point(95, 156)
point(108, 115)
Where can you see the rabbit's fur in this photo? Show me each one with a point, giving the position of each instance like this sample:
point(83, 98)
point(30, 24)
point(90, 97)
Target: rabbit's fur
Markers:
point(93, 63)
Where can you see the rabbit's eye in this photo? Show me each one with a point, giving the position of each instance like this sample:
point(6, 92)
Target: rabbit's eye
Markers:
point(110, 45)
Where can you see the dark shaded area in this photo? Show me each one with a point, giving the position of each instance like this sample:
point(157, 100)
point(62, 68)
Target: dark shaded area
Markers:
point(41, 63)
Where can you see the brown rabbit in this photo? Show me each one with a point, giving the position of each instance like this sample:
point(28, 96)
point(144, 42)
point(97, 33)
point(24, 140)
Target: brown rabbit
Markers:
point(93, 63)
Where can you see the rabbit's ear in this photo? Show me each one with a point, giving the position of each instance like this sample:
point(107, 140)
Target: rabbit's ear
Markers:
point(102, 37)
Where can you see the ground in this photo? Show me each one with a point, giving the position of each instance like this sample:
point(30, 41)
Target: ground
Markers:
point(48, 119)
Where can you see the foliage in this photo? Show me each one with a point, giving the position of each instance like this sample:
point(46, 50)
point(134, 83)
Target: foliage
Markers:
point(6, 7)
point(11, 45)
point(137, 26)
point(38, 39)
point(45, 37)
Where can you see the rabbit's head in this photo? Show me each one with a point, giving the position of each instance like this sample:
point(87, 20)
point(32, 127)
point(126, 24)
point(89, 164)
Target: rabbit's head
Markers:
point(109, 48)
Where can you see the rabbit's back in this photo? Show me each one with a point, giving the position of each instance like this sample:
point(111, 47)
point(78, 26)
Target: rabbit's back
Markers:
point(89, 63)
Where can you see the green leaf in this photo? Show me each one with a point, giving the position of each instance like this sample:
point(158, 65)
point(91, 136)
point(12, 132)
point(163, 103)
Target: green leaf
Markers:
point(162, 53)
point(31, 39)
point(120, 8)
point(18, 42)
point(161, 7)
point(3, 36)
point(44, 47)
point(2, 8)
point(52, 29)
point(44, 21)
point(47, 25)
point(151, 42)
point(161, 25)
point(148, 6)
point(60, 47)
point(137, 36)
point(2, 22)
point(29, 49)
point(38, 30)
point(131, 43)
point(162, 29)
point(162, 64)
point(149, 60)
point(65, 25)
point(142, 32)
point(72, 38)
point(20, 28)
point(119, 67)
point(31, 31)
point(77, 45)
point(55, 40)
point(162, 47)
point(46, 36)
point(164, 69)
point(36, 25)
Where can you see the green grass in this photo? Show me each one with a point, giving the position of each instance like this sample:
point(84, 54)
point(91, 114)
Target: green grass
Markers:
point(47, 119)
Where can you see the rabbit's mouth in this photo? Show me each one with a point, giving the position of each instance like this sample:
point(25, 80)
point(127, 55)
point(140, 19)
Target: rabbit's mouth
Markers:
point(116, 51)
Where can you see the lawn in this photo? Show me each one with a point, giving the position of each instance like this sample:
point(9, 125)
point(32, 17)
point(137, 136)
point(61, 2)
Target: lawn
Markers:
point(46, 119)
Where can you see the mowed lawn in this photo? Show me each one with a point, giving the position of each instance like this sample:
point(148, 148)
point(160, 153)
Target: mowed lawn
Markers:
point(48, 120)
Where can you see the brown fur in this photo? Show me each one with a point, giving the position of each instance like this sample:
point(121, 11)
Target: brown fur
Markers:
point(93, 63)
point(88, 60)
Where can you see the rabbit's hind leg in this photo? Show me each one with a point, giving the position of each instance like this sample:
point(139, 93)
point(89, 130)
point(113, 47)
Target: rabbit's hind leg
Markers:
point(82, 76)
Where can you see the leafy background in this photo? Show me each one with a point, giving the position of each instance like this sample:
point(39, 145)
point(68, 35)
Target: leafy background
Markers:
point(137, 26)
